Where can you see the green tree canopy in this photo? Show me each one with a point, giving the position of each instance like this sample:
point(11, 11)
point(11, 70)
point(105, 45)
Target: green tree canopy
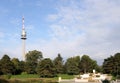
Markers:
point(0, 68)
point(46, 68)
point(72, 65)
point(111, 65)
point(58, 63)
point(32, 59)
point(87, 64)
point(17, 65)
point(22, 66)
point(7, 65)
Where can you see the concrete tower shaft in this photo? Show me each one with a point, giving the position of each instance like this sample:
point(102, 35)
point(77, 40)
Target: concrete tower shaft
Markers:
point(23, 37)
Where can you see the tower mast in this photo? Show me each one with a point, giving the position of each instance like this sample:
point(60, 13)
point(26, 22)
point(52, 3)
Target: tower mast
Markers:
point(23, 37)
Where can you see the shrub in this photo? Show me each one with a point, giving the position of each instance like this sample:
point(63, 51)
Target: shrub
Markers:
point(78, 77)
point(91, 74)
point(24, 73)
point(113, 78)
point(105, 81)
point(97, 75)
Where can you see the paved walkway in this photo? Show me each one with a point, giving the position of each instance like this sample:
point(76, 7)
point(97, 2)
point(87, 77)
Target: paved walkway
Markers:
point(73, 81)
point(77, 82)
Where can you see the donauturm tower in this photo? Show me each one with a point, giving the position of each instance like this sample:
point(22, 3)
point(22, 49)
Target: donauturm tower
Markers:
point(23, 37)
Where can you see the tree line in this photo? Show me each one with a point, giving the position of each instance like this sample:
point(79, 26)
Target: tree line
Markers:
point(111, 65)
point(46, 67)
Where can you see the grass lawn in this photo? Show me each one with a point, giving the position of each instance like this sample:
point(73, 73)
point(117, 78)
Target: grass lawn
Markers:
point(25, 76)
point(66, 76)
point(34, 78)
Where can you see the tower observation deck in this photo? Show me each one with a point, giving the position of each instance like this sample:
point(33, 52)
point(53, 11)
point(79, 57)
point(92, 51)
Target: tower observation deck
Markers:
point(23, 36)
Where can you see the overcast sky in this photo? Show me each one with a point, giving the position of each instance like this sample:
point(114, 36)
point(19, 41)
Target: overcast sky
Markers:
point(68, 27)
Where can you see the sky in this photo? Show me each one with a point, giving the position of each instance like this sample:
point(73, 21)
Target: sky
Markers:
point(68, 27)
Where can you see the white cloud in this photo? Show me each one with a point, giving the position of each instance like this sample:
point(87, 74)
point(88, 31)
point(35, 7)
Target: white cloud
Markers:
point(89, 29)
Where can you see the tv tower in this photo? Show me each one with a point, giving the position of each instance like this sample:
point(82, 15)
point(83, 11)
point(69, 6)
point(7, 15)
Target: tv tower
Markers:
point(23, 37)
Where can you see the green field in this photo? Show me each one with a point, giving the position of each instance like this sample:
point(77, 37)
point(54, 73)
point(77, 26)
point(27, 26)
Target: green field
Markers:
point(24, 76)
point(66, 76)
point(33, 78)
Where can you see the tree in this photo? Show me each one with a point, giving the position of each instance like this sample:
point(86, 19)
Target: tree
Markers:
point(87, 64)
point(32, 59)
point(17, 65)
point(117, 63)
point(46, 68)
point(108, 65)
point(22, 66)
point(0, 68)
point(111, 65)
point(58, 63)
point(72, 65)
point(7, 65)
